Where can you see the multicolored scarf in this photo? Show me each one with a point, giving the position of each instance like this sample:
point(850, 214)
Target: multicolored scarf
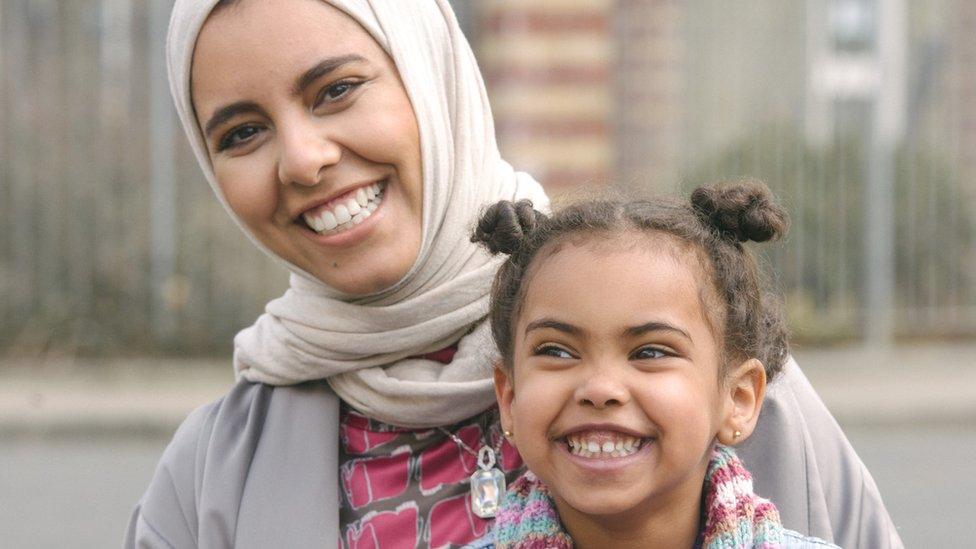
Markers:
point(734, 516)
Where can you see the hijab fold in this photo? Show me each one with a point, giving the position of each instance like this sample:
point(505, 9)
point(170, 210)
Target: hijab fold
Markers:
point(364, 345)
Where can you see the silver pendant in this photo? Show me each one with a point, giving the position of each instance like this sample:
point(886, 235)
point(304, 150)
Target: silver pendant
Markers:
point(487, 485)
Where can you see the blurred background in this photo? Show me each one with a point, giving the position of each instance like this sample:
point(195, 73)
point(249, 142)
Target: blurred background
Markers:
point(122, 281)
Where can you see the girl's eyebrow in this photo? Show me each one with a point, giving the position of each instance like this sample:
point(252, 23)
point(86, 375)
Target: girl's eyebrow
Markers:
point(554, 324)
point(655, 326)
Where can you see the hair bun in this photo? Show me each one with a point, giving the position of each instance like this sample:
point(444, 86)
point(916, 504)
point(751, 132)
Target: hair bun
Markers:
point(743, 211)
point(505, 225)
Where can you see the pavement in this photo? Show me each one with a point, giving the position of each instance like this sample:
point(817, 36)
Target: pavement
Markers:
point(149, 397)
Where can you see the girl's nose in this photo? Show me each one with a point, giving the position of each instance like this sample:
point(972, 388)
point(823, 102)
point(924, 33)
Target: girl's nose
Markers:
point(602, 390)
point(305, 152)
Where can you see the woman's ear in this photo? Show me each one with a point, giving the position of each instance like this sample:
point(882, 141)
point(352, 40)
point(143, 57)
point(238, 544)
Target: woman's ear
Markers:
point(504, 393)
point(746, 387)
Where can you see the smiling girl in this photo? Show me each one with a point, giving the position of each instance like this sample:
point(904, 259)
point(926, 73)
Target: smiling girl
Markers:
point(636, 344)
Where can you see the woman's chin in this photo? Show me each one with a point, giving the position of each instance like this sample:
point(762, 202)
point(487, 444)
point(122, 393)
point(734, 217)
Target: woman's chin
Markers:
point(359, 279)
point(365, 260)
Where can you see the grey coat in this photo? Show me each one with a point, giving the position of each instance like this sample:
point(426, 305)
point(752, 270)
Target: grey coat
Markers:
point(247, 471)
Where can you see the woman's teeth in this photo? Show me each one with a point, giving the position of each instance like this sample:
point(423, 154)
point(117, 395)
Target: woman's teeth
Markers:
point(618, 446)
point(347, 212)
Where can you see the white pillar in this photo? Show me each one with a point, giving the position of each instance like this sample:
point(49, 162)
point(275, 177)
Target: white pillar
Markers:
point(887, 129)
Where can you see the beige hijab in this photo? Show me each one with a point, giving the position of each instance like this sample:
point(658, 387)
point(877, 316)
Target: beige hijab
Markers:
point(362, 345)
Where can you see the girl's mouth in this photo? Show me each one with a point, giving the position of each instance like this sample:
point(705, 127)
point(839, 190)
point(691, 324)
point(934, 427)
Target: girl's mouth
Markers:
point(603, 444)
point(347, 211)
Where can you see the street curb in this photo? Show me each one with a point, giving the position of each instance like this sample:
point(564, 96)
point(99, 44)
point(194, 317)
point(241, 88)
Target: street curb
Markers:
point(932, 385)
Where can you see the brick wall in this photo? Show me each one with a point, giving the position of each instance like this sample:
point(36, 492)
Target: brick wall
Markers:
point(549, 69)
point(649, 96)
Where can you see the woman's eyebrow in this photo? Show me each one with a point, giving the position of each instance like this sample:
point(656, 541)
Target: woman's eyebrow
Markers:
point(322, 68)
point(306, 79)
point(227, 112)
point(655, 326)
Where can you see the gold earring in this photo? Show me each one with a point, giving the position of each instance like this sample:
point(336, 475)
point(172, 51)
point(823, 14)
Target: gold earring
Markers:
point(507, 433)
point(736, 434)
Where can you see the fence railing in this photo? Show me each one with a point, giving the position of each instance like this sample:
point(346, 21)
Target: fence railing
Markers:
point(111, 242)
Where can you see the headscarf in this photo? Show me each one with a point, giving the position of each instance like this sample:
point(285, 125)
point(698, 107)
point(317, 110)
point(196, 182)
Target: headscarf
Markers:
point(367, 347)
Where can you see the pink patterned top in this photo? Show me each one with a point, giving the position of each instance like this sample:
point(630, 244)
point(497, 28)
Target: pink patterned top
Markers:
point(408, 488)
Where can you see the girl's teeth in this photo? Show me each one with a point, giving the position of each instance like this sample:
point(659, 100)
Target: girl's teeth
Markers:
point(361, 198)
point(353, 206)
point(593, 449)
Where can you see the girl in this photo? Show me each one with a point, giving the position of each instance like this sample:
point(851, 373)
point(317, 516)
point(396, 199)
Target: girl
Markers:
point(352, 140)
point(636, 345)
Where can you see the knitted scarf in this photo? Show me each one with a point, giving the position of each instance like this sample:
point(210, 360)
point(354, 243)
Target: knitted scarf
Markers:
point(734, 516)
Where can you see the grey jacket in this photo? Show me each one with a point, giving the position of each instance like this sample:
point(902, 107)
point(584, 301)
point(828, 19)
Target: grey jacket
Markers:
point(247, 471)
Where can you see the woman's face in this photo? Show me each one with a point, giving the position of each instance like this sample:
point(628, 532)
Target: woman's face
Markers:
point(312, 138)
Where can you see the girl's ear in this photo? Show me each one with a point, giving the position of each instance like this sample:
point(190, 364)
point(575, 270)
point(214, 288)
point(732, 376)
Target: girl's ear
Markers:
point(746, 386)
point(504, 393)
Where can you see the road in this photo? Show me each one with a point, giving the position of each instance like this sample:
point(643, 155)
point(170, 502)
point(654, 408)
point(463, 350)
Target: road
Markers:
point(72, 492)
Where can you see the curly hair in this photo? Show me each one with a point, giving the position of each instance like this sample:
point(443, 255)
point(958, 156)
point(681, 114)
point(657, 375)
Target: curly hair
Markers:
point(714, 223)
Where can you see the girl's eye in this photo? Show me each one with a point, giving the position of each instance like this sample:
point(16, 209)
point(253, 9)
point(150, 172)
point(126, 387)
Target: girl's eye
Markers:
point(335, 92)
point(553, 351)
point(649, 353)
point(237, 136)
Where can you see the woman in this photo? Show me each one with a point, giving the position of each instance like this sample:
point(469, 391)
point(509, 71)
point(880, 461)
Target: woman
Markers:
point(365, 397)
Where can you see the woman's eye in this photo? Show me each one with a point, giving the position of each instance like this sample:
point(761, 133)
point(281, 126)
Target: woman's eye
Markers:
point(335, 92)
point(237, 136)
point(553, 351)
point(648, 353)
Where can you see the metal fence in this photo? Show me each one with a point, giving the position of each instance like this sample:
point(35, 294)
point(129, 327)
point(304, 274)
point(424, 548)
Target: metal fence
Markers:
point(111, 242)
point(862, 116)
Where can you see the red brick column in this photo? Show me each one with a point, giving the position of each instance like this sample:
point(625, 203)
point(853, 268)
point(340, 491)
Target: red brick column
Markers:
point(649, 101)
point(549, 69)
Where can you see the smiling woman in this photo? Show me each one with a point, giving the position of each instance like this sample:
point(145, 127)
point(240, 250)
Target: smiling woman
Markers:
point(313, 142)
point(352, 140)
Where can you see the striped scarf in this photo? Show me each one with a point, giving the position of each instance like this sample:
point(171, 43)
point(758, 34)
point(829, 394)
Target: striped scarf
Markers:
point(734, 516)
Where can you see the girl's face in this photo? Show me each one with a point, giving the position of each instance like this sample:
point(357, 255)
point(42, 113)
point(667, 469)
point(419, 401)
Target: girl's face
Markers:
point(616, 398)
point(312, 138)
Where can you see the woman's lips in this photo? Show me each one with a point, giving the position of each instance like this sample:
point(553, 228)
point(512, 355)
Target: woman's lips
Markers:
point(347, 211)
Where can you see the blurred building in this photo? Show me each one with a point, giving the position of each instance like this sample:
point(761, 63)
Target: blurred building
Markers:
point(858, 112)
point(110, 240)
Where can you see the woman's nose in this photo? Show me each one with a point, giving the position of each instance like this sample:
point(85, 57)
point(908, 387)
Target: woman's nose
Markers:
point(305, 152)
point(601, 389)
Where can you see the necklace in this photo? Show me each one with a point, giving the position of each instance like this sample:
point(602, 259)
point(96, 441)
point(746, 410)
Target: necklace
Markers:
point(488, 482)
